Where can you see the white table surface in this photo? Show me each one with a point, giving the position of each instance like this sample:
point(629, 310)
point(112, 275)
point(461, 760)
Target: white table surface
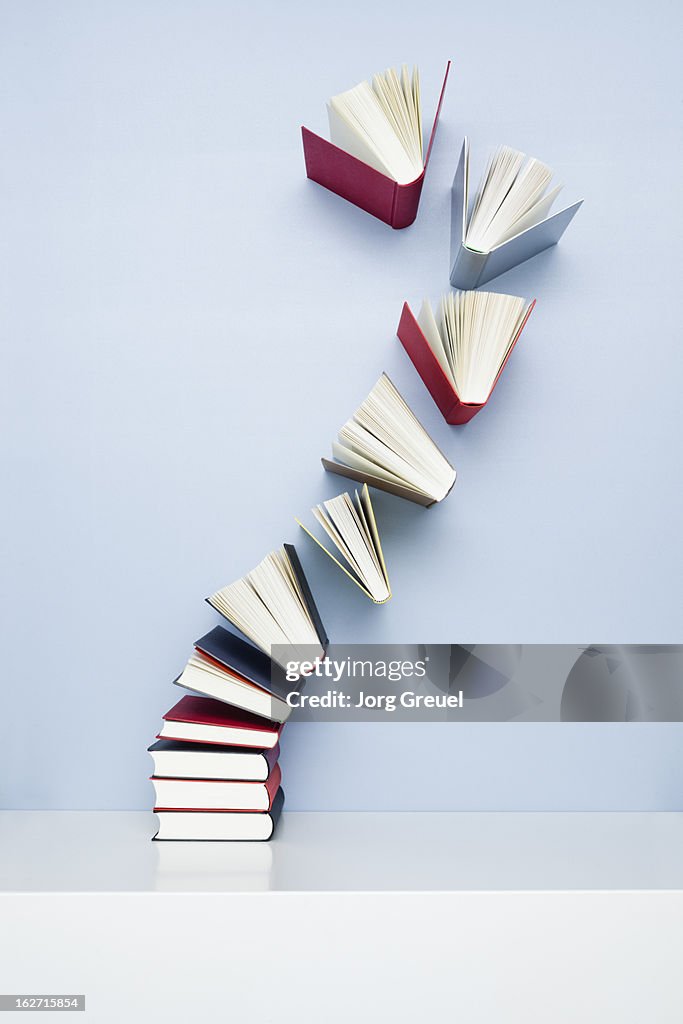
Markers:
point(111, 851)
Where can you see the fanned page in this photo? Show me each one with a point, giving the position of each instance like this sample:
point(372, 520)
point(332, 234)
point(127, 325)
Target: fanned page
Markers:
point(511, 197)
point(384, 439)
point(381, 124)
point(352, 528)
point(268, 606)
point(472, 337)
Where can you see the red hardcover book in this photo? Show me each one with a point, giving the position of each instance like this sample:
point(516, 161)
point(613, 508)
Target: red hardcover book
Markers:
point(204, 720)
point(362, 185)
point(427, 365)
point(215, 795)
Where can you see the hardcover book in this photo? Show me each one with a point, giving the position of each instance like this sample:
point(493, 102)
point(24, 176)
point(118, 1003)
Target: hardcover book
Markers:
point(175, 760)
point(229, 669)
point(206, 721)
point(385, 446)
point(224, 826)
point(215, 794)
point(375, 156)
point(273, 605)
point(461, 354)
point(509, 221)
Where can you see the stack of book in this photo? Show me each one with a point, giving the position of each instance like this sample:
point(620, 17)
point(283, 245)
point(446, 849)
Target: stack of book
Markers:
point(216, 758)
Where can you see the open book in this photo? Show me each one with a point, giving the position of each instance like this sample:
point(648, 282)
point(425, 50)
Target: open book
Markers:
point(460, 353)
point(381, 124)
point(273, 605)
point(352, 528)
point(509, 221)
point(375, 158)
point(386, 446)
point(512, 196)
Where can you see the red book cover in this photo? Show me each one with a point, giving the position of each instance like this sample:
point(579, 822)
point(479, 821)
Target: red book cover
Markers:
point(427, 365)
point(372, 191)
point(217, 794)
point(227, 725)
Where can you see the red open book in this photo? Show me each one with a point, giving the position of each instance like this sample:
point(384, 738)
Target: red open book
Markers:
point(427, 365)
point(362, 185)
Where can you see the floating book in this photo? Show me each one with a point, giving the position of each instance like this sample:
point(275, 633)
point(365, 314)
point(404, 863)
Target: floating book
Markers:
point(173, 760)
point(352, 528)
point(273, 605)
point(215, 794)
point(221, 825)
point(461, 353)
point(375, 156)
point(384, 445)
point(229, 669)
point(207, 721)
point(510, 218)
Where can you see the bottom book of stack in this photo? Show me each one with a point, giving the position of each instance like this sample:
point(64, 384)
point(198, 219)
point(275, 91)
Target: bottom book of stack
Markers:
point(208, 790)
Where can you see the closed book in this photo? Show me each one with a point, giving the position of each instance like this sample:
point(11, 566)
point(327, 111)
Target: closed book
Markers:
point(220, 826)
point(229, 669)
point(215, 795)
point(174, 760)
point(203, 720)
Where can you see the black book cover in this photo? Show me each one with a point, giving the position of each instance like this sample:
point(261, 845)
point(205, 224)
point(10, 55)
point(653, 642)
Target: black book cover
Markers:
point(308, 596)
point(276, 809)
point(238, 655)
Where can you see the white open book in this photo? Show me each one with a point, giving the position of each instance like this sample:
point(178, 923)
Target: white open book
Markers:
point(271, 607)
point(510, 219)
point(381, 124)
point(511, 197)
point(471, 337)
point(386, 446)
point(352, 528)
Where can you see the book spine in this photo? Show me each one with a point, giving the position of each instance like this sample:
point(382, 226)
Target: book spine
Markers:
point(468, 269)
point(406, 203)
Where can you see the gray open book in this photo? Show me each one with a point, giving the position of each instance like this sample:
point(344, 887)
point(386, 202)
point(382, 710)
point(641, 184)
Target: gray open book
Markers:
point(509, 221)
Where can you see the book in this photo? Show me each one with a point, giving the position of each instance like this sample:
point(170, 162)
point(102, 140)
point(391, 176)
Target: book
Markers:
point(375, 158)
point(385, 446)
point(461, 352)
point(174, 760)
point(272, 605)
point(229, 669)
point(203, 720)
point(352, 528)
point(509, 221)
point(220, 825)
point(215, 794)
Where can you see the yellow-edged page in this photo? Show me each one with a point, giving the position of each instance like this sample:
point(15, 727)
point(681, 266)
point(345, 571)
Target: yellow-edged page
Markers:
point(366, 505)
point(336, 561)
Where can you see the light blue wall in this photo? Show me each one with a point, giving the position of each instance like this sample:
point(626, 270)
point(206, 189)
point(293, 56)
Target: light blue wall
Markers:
point(187, 322)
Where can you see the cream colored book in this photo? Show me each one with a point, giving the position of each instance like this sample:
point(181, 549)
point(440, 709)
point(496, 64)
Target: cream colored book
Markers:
point(380, 123)
point(273, 606)
point(385, 446)
point(471, 336)
point(352, 528)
